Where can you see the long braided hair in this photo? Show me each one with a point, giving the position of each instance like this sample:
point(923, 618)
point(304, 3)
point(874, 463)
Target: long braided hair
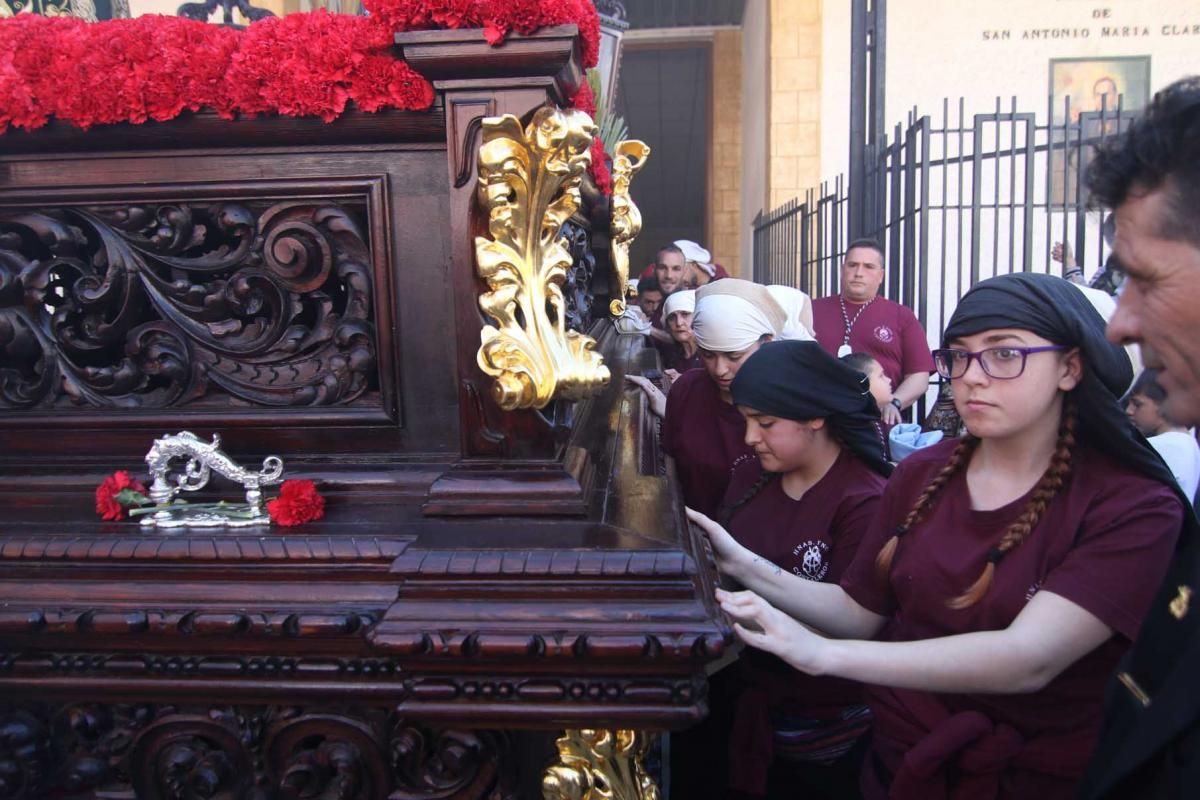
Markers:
point(751, 493)
point(1045, 490)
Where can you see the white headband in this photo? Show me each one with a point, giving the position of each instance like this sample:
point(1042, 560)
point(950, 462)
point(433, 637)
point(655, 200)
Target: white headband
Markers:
point(693, 251)
point(684, 300)
point(726, 323)
point(798, 307)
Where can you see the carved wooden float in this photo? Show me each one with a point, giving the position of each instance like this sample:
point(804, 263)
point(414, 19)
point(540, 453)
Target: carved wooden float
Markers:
point(483, 577)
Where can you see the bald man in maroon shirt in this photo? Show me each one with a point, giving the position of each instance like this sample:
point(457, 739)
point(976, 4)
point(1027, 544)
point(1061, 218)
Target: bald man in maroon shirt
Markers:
point(858, 320)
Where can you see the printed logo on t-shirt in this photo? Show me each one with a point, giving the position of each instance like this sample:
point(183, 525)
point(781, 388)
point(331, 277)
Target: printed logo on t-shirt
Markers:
point(813, 565)
point(884, 334)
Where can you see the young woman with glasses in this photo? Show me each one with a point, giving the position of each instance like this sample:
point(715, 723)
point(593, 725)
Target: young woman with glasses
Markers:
point(1005, 572)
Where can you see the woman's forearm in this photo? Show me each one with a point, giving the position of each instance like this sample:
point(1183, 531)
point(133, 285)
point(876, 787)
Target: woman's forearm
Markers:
point(825, 606)
point(1049, 635)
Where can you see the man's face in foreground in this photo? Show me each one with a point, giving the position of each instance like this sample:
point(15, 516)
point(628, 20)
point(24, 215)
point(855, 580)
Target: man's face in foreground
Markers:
point(1159, 306)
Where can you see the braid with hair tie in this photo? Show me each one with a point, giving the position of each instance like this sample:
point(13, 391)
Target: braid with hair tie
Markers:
point(751, 493)
point(958, 459)
point(1047, 487)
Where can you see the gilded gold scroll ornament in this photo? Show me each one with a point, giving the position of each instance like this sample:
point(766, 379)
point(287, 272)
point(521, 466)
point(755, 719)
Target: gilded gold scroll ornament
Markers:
point(630, 156)
point(599, 765)
point(529, 184)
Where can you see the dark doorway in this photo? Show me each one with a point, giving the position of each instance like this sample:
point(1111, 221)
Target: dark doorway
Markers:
point(664, 97)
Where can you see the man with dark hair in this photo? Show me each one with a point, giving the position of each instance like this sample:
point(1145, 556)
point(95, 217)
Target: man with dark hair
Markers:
point(1150, 177)
point(650, 296)
point(859, 320)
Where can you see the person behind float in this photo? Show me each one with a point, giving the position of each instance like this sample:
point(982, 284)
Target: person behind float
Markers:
point(797, 307)
point(671, 270)
point(681, 354)
point(1145, 407)
point(636, 317)
point(701, 269)
point(803, 507)
point(998, 570)
point(857, 319)
point(650, 296)
point(701, 428)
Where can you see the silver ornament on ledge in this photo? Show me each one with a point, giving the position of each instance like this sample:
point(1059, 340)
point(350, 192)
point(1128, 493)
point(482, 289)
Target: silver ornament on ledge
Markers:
point(203, 458)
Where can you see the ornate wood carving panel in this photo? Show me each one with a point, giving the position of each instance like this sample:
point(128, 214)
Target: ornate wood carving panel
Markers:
point(200, 304)
point(172, 752)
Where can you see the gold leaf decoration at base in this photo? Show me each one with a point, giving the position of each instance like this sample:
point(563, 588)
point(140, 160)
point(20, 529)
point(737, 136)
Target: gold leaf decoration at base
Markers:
point(529, 184)
point(630, 156)
point(599, 765)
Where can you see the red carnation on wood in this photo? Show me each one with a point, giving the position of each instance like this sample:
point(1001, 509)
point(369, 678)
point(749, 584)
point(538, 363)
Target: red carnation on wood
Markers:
point(118, 487)
point(298, 502)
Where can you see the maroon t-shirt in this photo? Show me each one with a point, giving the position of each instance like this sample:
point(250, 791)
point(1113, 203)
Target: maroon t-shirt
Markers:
point(815, 537)
point(706, 436)
point(1103, 542)
point(888, 331)
point(673, 356)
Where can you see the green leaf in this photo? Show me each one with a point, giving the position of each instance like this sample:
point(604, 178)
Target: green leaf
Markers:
point(129, 497)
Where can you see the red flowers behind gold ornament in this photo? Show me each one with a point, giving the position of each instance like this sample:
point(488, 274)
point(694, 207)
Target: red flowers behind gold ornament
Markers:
point(298, 502)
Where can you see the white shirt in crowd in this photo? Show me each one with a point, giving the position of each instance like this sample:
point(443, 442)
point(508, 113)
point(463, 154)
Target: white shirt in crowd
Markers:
point(1182, 454)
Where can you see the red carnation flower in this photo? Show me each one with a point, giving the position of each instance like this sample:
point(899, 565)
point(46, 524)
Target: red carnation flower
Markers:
point(599, 170)
point(108, 504)
point(298, 502)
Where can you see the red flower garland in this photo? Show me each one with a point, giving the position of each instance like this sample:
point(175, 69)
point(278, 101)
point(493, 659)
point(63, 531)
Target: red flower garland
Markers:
point(155, 67)
point(498, 18)
point(312, 64)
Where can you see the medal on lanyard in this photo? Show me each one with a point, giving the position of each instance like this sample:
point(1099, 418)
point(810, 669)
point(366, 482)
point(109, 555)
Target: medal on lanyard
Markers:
point(845, 350)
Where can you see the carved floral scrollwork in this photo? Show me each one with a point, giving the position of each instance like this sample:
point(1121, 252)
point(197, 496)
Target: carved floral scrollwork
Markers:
point(529, 185)
point(599, 765)
point(24, 756)
point(95, 740)
point(431, 763)
point(152, 306)
point(629, 156)
point(189, 757)
point(167, 752)
point(577, 289)
point(326, 757)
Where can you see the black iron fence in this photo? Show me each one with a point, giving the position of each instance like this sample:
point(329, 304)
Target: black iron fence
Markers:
point(952, 204)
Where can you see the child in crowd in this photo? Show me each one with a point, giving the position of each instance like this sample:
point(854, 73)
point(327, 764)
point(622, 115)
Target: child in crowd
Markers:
point(1004, 574)
point(880, 383)
point(1144, 405)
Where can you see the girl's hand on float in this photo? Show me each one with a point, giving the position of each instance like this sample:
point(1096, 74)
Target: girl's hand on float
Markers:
point(759, 624)
point(658, 400)
point(733, 559)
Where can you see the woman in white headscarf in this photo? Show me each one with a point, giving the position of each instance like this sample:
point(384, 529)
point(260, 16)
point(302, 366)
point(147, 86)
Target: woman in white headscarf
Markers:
point(702, 429)
point(681, 353)
point(798, 307)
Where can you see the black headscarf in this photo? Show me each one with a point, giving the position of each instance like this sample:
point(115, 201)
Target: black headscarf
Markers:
point(800, 381)
point(1055, 310)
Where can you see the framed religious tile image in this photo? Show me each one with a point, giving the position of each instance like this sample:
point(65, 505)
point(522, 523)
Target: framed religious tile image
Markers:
point(1090, 100)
